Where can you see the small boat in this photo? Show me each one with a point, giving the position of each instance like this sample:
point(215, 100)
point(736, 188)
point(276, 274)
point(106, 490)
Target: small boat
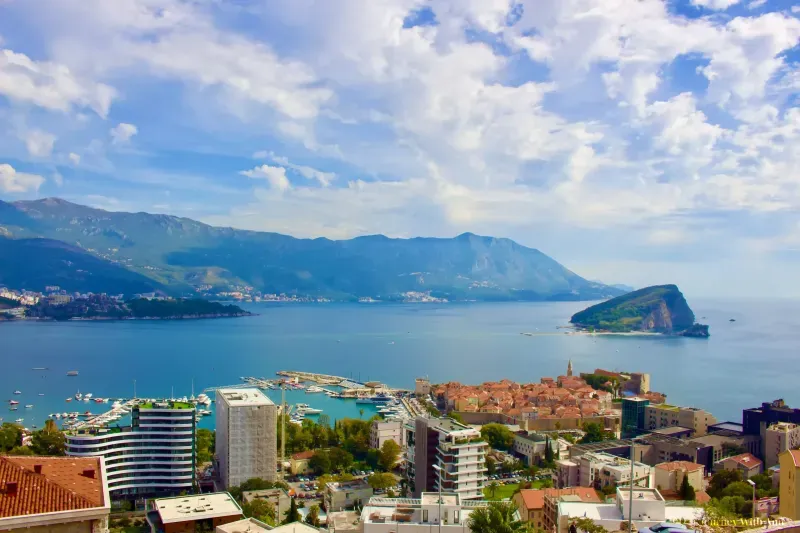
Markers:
point(313, 388)
point(13, 408)
point(29, 406)
point(17, 392)
point(78, 395)
point(13, 402)
point(72, 373)
point(88, 395)
point(69, 399)
point(20, 420)
point(40, 368)
point(98, 400)
point(41, 394)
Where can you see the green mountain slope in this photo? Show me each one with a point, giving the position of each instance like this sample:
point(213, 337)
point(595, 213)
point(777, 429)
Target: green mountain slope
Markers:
point(180, 252)
point(661, 308)
point(33, 264)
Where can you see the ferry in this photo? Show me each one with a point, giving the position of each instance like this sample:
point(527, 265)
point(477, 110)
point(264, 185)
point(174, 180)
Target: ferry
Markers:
point(72, 373)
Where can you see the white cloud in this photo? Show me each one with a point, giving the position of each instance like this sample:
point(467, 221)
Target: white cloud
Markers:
point(716, 4)
point(755, 4)
point(58, 179)
point(275, 176)
point(12, 181)
point(74, 158)
point(50, 85)
point(324, 178)
point(122, 133)
point(39, 143)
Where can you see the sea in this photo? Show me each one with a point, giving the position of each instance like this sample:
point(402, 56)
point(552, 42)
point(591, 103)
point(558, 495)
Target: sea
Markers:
point(751, 357)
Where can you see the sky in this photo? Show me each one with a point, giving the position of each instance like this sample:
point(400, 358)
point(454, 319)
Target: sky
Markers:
point(634, 141)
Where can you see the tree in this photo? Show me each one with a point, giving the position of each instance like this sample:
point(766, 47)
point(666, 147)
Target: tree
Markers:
point(546, 484)
point(594, 433)
point(20, 450)
point(323, 481)
point(324, 421)
point(48, 443)
point(320, 462)
point(491, 466)
point(492, 488)
point(10, 436)
point(260, 509)
point(497, 517)
point(738, 488)
point(292, 515)
point(341, 460)
point(206, 440)
point(313, 516)
point(588, 525)
point(390, 453)
point(457, 417)
point(722, 479)
point(764, 488)
point(381, 481)
point(360, 413)
point(687, 491)
point(549, 456)
point(498, 436)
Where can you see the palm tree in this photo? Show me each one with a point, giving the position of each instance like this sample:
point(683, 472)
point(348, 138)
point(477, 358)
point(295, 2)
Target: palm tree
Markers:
point(492, 487)
point(497, 517)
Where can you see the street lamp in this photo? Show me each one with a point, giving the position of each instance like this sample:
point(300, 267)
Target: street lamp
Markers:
point(630, 489)
point(752, 484)
point(439, 471)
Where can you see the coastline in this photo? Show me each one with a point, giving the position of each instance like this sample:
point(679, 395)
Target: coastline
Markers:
point(123, 318)
point(584, 333)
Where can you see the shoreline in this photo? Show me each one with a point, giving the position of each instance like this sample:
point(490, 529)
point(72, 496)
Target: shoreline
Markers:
point(129, 318)
point(584, 333)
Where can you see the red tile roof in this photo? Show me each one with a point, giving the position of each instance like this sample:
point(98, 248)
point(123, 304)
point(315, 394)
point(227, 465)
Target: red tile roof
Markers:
point(795, 457)
point(748, 460)
point(534, 498)
point(61, 485)
point(300, 456)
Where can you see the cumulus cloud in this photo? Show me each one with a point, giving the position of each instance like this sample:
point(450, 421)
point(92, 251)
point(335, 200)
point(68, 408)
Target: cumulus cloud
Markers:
point(275, 176)
point(324, 178)
point(12, 181)
point(50, 85)
point(39, 143)
point(74, 158)
point(716, 4)
point(122, 133)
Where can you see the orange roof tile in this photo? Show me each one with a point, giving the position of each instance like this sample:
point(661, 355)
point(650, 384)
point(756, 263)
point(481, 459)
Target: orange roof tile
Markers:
point(746, 459)
point(586, 494)
point(532, 498)
point(795, 457)
point(303, 455)
point(61, 485)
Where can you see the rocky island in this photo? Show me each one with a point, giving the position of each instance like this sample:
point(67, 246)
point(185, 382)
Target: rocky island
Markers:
point(656, 309)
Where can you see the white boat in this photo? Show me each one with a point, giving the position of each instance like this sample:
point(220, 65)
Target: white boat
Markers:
point(313, 389)
point(88, 395)
point(203, 399)
point(64, 415)
point(17, 392)
point(13, 402)
point(20, 420)
point(204, 412)
point(29, 406)
point(305, 409)
point(78, 395)
point(69, 399)
point(41, 394)
point(58, 415)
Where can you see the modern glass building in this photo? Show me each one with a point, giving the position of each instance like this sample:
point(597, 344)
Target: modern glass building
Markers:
point(633, 416)
point(153, 457)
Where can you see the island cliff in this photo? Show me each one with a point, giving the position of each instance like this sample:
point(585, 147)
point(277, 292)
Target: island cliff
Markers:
point(657, 309)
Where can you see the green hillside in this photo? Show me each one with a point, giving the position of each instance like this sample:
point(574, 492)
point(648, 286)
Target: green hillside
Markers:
point(661, 308)
point(180, 253)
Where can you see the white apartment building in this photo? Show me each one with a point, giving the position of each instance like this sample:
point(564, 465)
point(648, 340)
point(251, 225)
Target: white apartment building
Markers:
point(246, 443)
point(598, 470)
point(778, 438)
point(152, 457)
point(663, 415)
point(649, 508)
point(382, 430)
point(421, 515)
point(458, 451)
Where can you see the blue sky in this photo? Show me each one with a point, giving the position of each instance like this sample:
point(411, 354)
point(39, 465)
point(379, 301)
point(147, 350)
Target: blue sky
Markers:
point(635, 141)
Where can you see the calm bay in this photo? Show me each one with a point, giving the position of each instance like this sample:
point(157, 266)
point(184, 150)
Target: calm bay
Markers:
point(745, 362)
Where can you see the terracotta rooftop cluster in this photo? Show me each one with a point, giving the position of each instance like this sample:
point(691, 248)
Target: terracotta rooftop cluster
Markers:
point(565, 397)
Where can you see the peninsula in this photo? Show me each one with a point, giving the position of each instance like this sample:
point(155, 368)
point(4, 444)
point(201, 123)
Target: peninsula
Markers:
point(656, 309)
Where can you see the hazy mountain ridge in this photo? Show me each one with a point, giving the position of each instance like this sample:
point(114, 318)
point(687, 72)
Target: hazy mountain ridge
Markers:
point(180, 253)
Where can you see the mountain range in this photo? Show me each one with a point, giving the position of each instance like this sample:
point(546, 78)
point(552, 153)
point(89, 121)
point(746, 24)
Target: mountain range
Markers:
point(54, 242)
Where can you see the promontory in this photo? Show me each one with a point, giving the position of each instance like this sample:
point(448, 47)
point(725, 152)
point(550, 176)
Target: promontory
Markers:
point(656, 309)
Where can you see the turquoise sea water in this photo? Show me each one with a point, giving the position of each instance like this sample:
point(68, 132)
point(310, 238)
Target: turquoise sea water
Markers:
point(744, 363)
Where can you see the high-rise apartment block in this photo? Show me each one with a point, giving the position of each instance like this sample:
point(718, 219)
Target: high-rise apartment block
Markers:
point(633, 416)
point(457, 451)
point(246, 441)
point(155, 456)
point(779, 438)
